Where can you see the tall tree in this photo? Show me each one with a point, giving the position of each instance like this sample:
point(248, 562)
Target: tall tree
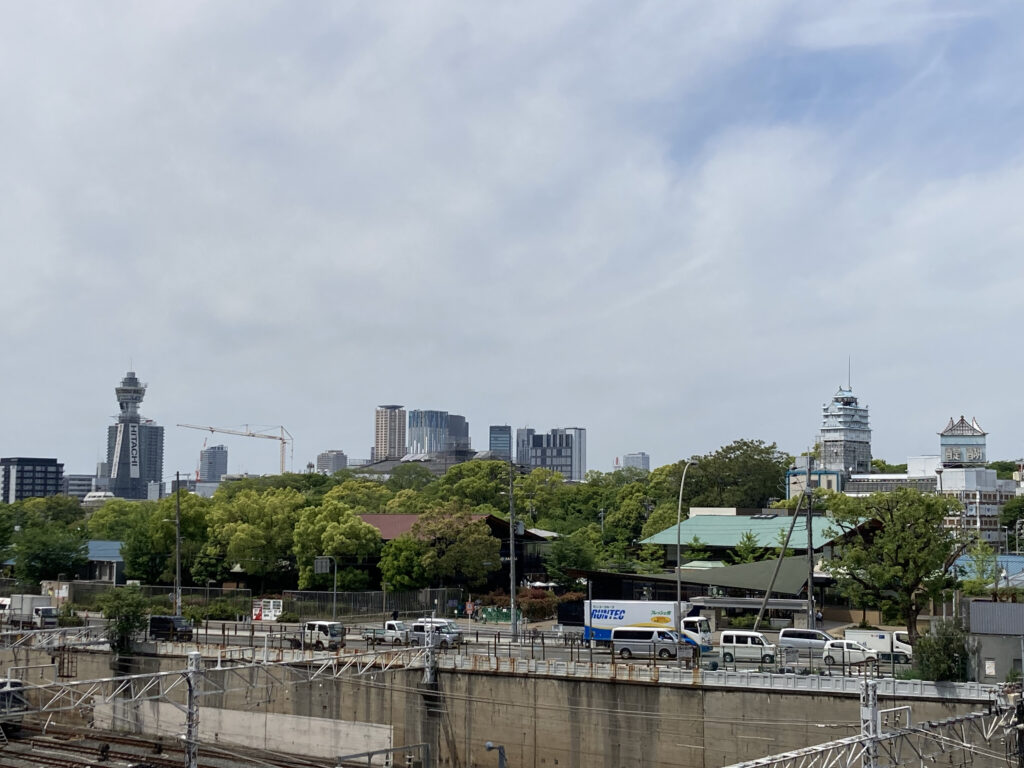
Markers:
point(46, 550)
point(332, 529)
point(401, 563)
point(459, 548)
point(747, 549)
point(896, 551)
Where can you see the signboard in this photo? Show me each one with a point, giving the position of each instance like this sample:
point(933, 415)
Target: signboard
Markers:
point(257, 610)
point(133, 449)
point(322, 565)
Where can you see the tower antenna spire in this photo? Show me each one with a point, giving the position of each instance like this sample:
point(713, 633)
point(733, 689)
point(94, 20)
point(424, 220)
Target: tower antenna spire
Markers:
point(849, 372)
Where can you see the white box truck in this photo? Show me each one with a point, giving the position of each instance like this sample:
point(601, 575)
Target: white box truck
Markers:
point(600, 617)
point(890, 645)
point(35, 611)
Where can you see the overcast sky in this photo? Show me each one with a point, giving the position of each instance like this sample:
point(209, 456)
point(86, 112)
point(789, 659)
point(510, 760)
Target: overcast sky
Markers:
point(671, 223)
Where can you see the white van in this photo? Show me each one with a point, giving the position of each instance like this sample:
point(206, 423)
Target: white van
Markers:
point(644, 641)
point(742, 645)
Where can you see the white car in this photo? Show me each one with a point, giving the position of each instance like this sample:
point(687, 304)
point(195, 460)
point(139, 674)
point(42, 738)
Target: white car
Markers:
point(848, 652)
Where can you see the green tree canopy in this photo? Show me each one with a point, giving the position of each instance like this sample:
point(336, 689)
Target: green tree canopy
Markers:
point(331, 529)
point(575, 551)
point(127, 612)
point(401, 563)
point(896, 551)
point(460, 549)
point(45, 550)
point(747, 549)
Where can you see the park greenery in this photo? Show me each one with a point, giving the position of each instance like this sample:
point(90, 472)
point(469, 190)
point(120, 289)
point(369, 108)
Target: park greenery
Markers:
point(894, 553)
point(267, 531)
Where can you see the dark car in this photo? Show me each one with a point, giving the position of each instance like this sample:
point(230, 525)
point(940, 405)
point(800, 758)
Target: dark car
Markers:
point(174, 628)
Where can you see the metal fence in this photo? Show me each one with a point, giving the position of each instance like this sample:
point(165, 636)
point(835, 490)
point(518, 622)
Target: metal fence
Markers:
point(10, 587)
point(308, 605)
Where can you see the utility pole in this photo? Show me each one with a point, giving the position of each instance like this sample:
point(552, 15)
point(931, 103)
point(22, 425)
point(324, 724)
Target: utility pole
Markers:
point(192, 677)
point(811, 616)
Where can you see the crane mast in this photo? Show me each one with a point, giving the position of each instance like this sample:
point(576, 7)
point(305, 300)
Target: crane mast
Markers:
point(284, 438)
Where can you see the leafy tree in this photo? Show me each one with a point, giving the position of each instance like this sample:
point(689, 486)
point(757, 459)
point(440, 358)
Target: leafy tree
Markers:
point(575, 551)
point(116, 517)
point(363, 496)
point(46, 550)
point(745, 473)
point(148, 536)
point(662, 517)
point(747, 549)
point(984, 571)
point(896, 550)
point(780, 543)
point(1012, 511)
point(401, 563)
point(407, 502)
point(882, 467)
point(255, 530)
point(538, 493)
point(475, 483)
point(332, 529)
point(127, 611)
point(695, 549)
point(409, 476)
point(1004, 469)
point(459, 548)
point(942, 653)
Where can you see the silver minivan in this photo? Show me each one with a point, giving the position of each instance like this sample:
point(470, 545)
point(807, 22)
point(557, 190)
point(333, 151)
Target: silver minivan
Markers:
point(815, 639)
point(742, 645)
point(644, 641)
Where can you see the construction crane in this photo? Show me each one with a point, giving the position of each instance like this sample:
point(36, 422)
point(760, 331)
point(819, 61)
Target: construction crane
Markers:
point(285, 437)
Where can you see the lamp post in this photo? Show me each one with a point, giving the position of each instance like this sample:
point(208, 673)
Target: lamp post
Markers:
point(177, 543)
point(501, 752)
point(512, 554)
point(679, 547)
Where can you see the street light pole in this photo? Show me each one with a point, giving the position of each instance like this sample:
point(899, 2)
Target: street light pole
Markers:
point(177, 544)
point(512, 553)
point(679, 549)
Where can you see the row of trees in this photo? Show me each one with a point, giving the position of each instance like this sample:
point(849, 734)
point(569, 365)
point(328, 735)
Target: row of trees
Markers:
point(272, 528)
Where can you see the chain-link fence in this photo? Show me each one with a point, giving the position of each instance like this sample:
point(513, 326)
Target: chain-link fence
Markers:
point(10, 587)
point(372, 605)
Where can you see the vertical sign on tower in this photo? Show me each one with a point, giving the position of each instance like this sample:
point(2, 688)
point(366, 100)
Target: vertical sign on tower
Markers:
point(133, 449)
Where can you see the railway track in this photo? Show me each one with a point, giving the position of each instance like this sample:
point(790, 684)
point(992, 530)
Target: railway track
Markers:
point(69, 747)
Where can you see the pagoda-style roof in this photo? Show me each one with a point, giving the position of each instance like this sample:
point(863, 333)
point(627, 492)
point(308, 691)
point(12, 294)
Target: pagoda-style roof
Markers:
point(963, 429)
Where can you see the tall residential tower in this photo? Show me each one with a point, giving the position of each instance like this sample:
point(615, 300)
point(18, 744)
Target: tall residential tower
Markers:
point(389, 442)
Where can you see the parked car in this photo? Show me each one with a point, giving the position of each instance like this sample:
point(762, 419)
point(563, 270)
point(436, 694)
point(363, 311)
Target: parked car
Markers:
point(815, 639)
point(848, 652)
point(174, 628)
point(741, 645)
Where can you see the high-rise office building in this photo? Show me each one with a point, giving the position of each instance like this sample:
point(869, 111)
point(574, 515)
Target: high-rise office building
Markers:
point(25, 478)
point(457, 440)
point(428, 431)
point(563, 450)
point(135, 446)
point(213, 463)
point(500, 442)
point(390, 441)
point(845, 434)
point(329, 462)
point(524, 439)
point(639, 460)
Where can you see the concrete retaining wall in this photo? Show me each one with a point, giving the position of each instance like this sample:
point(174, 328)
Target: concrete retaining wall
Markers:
point(632, 717)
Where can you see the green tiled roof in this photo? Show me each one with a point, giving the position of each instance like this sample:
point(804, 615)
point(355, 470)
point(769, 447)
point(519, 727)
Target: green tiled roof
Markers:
point(725, 531)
